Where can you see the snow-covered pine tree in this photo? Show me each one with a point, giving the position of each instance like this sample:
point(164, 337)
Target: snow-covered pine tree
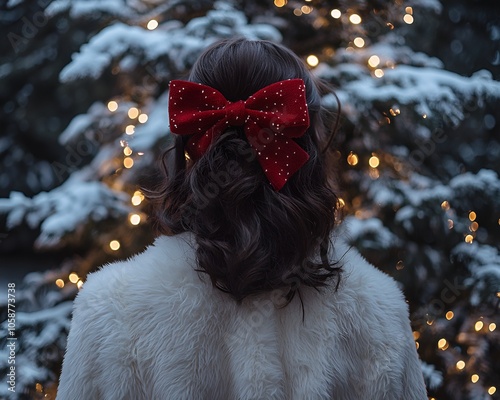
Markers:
point(418, 152)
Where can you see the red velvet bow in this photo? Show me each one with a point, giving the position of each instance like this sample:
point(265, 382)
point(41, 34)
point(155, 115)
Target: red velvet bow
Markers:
point(271, 118)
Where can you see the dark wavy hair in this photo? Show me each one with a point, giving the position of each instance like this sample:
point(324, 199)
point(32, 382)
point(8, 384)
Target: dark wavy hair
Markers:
point(251, 238)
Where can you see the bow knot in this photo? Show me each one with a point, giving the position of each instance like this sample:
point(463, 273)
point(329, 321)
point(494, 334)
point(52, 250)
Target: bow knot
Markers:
point(272, 118)
point(236, 113)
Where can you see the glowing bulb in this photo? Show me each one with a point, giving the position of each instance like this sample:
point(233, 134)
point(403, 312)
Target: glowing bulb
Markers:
point(341, 202)
point(492, 327)
point(73, 278)
point(306, 9)
point(352, 158)
point(474, 378)
point(312, 60)
point(409, 10)
point(136, 200)
point(127, 151)
point(474, 226)
point(478, 326)
point(60, 283)
point(445, 205)
point(416, 335)
point(469, 239)
point(130, 129)
point(153, 24)
point(374, 161)
point(378, 73)
point(128, 162)
point(133, 112)
point(460, 365)
point(424, 116)
point(355, 19)
point(335, 13)
point(114, 245)
point(492, 390)
point(297, 12)
point(449, 315)
point(279, 3)
point(112, 106)
point(143, 118)
point(442, 344)
point(408, 19)
point(359, 42)
point(135, 219)
point(472, 216)
point(79, 284)
point(373, 61)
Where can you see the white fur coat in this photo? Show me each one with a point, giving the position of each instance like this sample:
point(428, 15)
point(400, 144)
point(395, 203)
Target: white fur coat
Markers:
point(149, 329)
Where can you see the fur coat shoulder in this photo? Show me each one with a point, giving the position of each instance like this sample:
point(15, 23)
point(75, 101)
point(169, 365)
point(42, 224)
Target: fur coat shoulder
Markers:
point(152, 328)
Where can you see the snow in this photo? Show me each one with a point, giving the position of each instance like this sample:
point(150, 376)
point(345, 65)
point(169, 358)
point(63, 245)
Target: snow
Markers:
point(90, 8)
point(371, 231)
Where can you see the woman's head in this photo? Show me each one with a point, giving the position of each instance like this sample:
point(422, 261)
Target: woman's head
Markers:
point(250, 237)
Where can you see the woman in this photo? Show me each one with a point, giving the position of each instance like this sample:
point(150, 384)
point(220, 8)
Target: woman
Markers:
point(250, 292)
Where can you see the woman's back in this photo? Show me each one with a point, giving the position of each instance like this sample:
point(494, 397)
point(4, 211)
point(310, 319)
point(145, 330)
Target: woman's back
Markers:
point(150, 328)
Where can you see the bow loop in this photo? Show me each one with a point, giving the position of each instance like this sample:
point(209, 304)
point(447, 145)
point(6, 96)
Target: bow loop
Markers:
point(271, 117)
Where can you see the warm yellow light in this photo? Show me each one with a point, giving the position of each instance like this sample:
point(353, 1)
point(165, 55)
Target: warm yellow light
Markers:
point(424, 116)
point(359, 42)
point(474, 378)
point(114, 245)
point(472, 216)
point(355, 19)
point(130, 129)
point(445, 205)
point(306, 9)
point(60, 283)
point(492, 326)
point(417, 345)
point(416, 335)
point(460, 365)
point(374, 161)
point(297, 12)
point(112, 106)
point(79, 284)
point(127, 151)
point(279, 3)
point(136, 200)
point(335, 13)
point(378, 73)
point(409, 10)
point(73, 278)
point(449, 315)
point(133, 112)
point(152, 24)
point(135, 219)
point(408, 19)
point(143, 118)
point(478, 326)
point(442, 344)
point(128, 162)
point(352, 158)
point(450, 224)
point(373, 61)
point(492, 390)
point(469, 239)
point(312, 60)
point(474, 226)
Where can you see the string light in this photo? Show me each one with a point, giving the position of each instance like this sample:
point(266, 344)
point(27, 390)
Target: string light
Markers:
point(355, 19)
point(279, 3)
point(492, 327)
point(416, 335)
point(142, 118)
point(469, 239)
point(79, 284)
point(60, 283)
point(474, 378)
point(297, 12)
point(127, 151)
point(374, 161)
point(424, 116)
point(352, 159)
point(472, 216)
point(128, 162)
point(114, 245)
point(445, 205)
point(137, 198)
point(112, 106)
point(135, 219)
point(152, 25)
point(442, 344)
point(474, 226)
point(335, 13)
point(340, 202)
point(460, 365)
point(73, 277)
point(130, 129)
point(449, 315)
point(492, 390)
point(408, 19)
point(373, 61)
point(312, 60)
point(133, 112)
point(306, 9)
point(378, 73)
point(478, 326)
point(359, 42)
